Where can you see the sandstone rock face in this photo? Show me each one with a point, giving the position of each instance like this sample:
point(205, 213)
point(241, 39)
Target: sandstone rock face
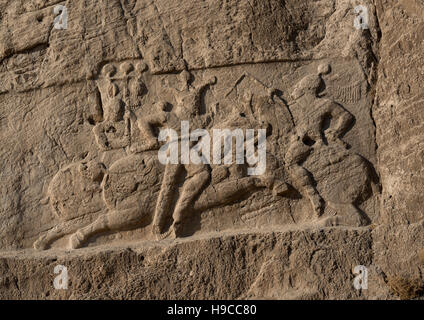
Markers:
point(330, 90)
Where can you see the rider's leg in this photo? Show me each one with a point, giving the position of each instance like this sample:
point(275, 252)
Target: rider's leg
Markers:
point(164, 201)
point(191, 189)
point(303, 179)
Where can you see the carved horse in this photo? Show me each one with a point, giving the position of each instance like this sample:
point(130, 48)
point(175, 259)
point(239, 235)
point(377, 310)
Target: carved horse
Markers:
point(129, 190)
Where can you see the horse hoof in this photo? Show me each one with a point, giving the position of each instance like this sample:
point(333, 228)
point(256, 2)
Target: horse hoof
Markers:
point(176, 230)
point(156, 230)
point(163, 236)
point(356, 221)
point(76, 240)
point(40, 244)
point(329, 222)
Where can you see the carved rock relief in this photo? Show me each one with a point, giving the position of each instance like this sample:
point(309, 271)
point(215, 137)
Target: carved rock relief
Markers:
point(318, 172)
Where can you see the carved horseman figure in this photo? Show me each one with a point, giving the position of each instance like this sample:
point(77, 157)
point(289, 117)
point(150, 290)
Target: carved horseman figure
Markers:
point(138, 191)
point(320, 164)
point(188, 108)
point(135, 186)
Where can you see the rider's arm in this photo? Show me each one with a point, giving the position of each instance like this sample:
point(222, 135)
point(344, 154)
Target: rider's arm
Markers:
point(147, 124)
point(343, 120)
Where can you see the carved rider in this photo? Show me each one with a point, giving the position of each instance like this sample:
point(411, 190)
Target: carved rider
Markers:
point(188, 108)
point(318, 121)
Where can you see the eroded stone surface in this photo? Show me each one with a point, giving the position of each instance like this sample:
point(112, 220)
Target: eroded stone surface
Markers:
point(269, 265)
point(399, 120)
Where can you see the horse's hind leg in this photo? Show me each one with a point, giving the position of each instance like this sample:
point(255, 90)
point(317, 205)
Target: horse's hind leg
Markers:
point(224, 193)
point(115, 220)
point(57, 232)
point(348, 215)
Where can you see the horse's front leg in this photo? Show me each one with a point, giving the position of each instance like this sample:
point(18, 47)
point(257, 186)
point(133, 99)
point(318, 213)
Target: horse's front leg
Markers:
point(55, 233)
point(115, 220)
point(82, 235)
